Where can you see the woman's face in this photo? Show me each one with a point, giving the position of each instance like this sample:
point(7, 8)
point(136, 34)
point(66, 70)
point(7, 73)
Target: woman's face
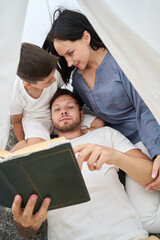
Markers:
point(77, 52)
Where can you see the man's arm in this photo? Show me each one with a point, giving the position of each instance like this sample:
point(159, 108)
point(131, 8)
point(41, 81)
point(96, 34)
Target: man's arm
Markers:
point(28, 224)
point(17, 126)
point(136, 164)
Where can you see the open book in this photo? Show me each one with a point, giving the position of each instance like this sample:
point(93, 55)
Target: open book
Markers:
point(48, 169)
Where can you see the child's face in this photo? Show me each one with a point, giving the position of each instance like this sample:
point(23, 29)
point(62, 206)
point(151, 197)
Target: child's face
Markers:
point(46, 81)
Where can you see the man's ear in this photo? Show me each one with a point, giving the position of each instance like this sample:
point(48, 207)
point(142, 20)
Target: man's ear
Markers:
point(27, 84)
point(82, 115)
point(87, 37)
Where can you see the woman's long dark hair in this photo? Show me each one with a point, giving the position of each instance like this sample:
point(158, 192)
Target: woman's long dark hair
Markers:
point(69, 25)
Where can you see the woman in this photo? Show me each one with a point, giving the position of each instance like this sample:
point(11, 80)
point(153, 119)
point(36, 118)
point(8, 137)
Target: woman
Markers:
point(100, 83)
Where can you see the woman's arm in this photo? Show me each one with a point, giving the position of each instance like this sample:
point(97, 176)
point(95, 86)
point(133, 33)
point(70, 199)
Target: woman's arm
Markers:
point(149, 130)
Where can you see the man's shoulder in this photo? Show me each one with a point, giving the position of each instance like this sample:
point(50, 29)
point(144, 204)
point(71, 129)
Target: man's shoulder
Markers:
point(100, 136)
point(105, 136)
point(104, 130)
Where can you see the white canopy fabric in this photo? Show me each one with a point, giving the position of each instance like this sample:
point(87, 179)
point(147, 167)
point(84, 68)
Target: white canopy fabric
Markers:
point(12, 14)
point(130, 30)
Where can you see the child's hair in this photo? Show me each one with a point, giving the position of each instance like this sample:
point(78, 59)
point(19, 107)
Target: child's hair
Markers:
point(69, 25)
point(35, 63)
point(62, 91)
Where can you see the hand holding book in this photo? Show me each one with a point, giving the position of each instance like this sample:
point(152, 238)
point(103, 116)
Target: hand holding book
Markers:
point(26, 222)
point(52, 172)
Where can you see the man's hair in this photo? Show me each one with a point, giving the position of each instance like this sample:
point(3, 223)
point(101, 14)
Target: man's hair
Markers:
point(35, 63)
point(60, 92)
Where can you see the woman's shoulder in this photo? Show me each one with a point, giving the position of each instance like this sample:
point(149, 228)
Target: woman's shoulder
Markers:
point(111, 60)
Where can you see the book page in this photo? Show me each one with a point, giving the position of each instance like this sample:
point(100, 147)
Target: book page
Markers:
point(32, 148)
point(4, 153)
point(37, 146)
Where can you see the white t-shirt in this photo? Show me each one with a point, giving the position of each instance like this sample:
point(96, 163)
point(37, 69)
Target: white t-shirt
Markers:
point(36, 118)
point(109, 214)
point(30, 107)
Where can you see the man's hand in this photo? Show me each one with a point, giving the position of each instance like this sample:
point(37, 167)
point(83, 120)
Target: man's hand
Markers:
point(135, 163)
point(95, 155)
point(155, 185)
point(27, 223)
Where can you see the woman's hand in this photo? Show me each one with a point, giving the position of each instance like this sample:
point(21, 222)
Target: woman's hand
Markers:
point(155, 185)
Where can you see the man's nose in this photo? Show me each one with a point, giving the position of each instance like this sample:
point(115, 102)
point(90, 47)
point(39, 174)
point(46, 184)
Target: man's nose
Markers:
point(64, 112)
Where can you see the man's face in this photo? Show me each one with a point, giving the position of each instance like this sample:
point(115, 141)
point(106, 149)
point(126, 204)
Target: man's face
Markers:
point(66, 115)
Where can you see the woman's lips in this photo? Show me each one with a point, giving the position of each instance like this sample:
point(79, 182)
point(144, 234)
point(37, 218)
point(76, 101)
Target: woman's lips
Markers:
point(76, 65)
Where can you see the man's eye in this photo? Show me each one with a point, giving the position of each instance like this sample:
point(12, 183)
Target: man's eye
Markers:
point(56, 109)
point(70, 107)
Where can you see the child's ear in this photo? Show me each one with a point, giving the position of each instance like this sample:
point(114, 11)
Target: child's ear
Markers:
point(26, 84)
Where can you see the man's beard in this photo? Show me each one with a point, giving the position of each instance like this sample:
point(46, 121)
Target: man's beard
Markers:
point(68, 127)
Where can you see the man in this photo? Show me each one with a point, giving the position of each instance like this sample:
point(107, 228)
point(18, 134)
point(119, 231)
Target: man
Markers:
point(109, 215)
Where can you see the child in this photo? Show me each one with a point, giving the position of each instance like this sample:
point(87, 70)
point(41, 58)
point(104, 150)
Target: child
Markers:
point(40, 79)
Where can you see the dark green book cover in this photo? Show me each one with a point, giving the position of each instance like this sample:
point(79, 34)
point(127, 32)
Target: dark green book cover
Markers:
point(50, 173)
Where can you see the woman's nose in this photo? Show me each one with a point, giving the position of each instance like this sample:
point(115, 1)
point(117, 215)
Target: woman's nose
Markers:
point(69, 63)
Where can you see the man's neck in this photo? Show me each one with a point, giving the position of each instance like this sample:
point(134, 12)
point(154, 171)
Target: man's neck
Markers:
point(70, 135)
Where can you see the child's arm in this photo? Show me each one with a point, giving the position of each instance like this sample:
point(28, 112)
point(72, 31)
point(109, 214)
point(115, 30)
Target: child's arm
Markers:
point(17, 126)
point(97, 123)
point(90, 123)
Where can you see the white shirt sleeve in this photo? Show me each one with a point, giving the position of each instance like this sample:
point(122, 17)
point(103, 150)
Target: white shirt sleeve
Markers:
point(16, 101)
point(119, 141)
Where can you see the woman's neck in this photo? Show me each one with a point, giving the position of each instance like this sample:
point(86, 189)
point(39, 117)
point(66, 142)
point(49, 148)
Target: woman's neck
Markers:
point(96, 58)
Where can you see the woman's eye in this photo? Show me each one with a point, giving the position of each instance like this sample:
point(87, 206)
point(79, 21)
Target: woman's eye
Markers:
point(70, 53)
